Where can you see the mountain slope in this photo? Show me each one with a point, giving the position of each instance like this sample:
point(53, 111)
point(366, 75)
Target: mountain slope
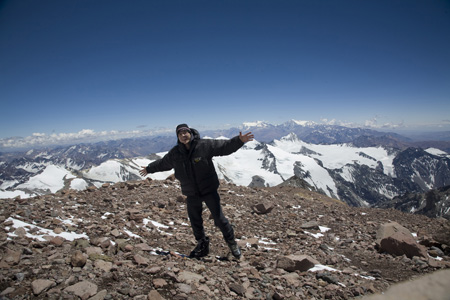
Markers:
point(433, 203)
point(124, 241)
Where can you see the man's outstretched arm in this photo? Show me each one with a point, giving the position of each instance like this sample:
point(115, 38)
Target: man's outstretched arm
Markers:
point(226, 147)
point(160, 165)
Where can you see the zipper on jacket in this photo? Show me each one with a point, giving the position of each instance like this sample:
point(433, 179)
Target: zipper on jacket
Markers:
point(194, 176)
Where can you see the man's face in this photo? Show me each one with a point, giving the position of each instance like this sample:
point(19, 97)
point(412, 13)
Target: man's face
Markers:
point(184, 136)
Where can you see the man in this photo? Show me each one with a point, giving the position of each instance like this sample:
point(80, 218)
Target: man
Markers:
point(192, 160)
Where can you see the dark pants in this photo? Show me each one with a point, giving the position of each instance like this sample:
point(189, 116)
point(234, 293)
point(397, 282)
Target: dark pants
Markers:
point(212, 201)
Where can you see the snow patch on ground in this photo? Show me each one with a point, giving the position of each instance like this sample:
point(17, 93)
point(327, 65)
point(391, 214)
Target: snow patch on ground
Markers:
point(42, 232)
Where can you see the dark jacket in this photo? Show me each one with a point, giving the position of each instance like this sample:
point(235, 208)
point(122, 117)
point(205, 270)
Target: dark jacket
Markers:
point(194, 168)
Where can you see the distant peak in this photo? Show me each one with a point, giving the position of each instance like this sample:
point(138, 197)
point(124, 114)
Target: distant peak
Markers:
point(290, 137)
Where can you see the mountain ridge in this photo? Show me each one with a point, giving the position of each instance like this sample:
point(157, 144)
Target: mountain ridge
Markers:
point(369, 176)
point(307, 130)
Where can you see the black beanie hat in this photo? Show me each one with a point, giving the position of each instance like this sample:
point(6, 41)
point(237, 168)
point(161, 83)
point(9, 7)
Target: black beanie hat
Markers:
point(182, 127)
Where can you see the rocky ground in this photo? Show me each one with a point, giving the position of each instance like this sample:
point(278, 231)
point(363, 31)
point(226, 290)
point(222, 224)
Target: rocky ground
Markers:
point(127, 240)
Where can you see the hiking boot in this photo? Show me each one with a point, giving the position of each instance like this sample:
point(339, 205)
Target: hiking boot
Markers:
point(234, 248)
point(202, 248)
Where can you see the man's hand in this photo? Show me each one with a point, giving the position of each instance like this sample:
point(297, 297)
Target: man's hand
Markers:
point(246, 137)
point(143, 171)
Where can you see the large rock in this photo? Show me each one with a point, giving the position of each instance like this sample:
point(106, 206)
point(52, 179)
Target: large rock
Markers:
point(257, 181)
point(264, 207)
point(395, 239)
point(293, 263)
point(388, 229)
point(401, 244)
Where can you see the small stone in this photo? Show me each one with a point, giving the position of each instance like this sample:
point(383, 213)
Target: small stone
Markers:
point(310, 225)
point(143, 247)
point(58, 230)
point(327, 277)
point(115, 233)
point(153, 270)
point(100, 295)
point(154, 295)
point(188, 277)
point(293, 263)
point(93, 250)
point(21, 232)
point(7, 291)
point(140, 260)
point(237, 288)
point(12, 257)
point(159, 283)
point(78, 259)
point(40, 285)
point(263, 208)
point(106, 266)
point(82, 289)
point(20, 276)
point(57, 241)
point(27, 251)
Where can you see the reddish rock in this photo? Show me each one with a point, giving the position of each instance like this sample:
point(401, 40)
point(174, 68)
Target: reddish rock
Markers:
point(388, 229)
point(263, 208)
point(293, 263)
point(159, 283)
point(57, 241)
point(402, 244)
point(140, 260)
point(78, 259)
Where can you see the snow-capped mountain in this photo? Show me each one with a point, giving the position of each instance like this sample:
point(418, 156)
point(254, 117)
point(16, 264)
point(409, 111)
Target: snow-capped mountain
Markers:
point(307, 131)
point(360, 176)
point(366, 171)
point(18, 168)
point(435, 202)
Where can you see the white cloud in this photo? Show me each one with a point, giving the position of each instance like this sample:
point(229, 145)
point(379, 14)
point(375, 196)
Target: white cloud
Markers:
point(370, 124)
point(83, 136)
point(339, 123)
point(38, 134)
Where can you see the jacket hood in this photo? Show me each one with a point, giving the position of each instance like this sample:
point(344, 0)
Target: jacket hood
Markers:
point(195, 136)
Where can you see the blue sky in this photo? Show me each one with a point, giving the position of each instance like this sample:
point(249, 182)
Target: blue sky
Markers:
point(68, 67)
